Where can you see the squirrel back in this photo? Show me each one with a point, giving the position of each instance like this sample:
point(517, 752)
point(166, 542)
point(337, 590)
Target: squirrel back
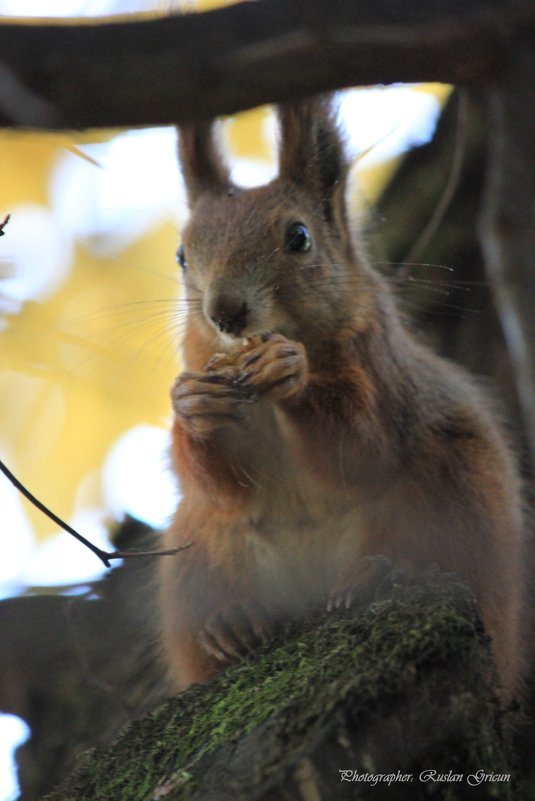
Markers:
point(320, 448)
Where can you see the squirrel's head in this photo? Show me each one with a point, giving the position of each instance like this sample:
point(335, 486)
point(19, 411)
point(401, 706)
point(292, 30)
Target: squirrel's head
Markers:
point(278, 257)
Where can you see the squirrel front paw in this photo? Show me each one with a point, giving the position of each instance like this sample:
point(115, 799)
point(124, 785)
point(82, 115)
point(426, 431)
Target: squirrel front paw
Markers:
point(233, 632)
point(270, 366)
point(273, 366)
point(206, 401)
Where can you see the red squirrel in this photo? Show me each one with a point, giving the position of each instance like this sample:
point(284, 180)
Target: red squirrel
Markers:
point(316, 442)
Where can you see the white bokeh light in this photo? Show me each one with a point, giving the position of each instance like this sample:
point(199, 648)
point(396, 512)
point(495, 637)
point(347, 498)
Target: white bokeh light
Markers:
point(61, 559)
point(13, 732)
point(131, 188)
point(71, 8)
point(248, 172)
point(138, 479)
point(387, 121)
point(36, 256)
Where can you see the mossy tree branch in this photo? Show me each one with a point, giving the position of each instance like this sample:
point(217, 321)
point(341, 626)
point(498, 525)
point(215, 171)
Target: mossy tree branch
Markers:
point(405, 687)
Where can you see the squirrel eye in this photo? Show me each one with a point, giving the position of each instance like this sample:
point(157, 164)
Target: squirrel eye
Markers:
point(298, 238)
point(181, 257)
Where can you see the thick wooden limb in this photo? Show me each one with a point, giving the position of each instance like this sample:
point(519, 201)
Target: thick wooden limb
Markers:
point(184, 68)
point(400, 691)
point(508, 222)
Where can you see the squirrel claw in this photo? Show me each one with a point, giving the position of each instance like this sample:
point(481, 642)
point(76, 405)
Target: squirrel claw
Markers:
point(341, 600)
point(232, 633)
point(370, 579)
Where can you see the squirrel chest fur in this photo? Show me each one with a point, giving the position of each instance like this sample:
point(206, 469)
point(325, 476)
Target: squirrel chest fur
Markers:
point(319, 447)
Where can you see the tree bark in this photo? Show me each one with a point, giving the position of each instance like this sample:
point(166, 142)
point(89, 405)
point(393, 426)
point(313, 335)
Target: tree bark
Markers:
point(508, 221)
point(183, 68)
point(445, 292)
point(404, 688)
point(77, 666)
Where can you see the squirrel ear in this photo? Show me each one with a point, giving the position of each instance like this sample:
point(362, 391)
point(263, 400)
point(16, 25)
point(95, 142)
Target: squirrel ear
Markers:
point(311, 151)
point(203, 167)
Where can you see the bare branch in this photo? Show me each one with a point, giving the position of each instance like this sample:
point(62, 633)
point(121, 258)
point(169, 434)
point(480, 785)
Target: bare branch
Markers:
point(181, 68)
point(104, 556)
point(4, 223)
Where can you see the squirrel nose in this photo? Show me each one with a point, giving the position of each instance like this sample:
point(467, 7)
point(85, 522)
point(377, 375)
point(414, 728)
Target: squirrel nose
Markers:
point(230, 316)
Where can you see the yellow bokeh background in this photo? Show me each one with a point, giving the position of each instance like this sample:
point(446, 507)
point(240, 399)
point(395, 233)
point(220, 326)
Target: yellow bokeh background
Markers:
point(85, 364)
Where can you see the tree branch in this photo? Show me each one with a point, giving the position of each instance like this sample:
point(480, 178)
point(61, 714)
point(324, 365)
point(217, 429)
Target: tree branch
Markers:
point(104, 556)
point(187, 67)
point(405, 688)
point(508, 223)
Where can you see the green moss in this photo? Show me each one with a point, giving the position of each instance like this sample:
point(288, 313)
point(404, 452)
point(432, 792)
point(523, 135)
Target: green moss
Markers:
point(288, 694)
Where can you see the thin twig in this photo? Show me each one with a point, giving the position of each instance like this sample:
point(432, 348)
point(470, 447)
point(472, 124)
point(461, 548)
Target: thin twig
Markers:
point(104, 556)
point(3, 224)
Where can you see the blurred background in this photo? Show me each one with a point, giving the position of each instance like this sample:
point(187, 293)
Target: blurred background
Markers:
point(89, 313)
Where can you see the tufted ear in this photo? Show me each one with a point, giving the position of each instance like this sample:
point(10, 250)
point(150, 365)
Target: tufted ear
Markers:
point(203, 167)
point(311, 151)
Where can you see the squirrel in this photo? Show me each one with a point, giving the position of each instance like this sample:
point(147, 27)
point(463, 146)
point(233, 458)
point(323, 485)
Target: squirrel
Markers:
point(318, 444)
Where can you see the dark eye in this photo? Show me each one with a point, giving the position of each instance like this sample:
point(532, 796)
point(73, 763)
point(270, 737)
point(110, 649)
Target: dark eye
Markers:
point(298, 238)
point(181, 257)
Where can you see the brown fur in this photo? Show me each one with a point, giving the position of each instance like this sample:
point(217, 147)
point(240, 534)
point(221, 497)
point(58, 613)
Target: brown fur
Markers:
point(322, 437)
